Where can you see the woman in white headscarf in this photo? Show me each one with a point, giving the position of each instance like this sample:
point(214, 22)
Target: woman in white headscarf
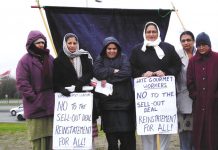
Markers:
point(73, 66)
point(154, 58)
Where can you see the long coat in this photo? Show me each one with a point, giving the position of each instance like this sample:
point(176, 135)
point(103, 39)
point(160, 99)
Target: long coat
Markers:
point(117, 110)
point(38, 102)
point(38, 96)
point(65, 73)
point(202, 82)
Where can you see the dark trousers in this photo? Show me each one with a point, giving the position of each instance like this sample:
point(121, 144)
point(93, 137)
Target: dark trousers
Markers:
point(127, 141)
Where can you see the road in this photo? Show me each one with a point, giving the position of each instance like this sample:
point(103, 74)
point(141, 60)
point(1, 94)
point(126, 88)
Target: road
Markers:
point(5, 115)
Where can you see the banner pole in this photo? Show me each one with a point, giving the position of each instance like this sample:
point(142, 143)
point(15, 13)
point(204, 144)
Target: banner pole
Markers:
point(178, 16)
point(46, 27)
point(158, 141)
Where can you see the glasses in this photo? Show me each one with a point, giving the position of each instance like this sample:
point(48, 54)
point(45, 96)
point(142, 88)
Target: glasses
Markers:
point(39, 43)
point(186, 40)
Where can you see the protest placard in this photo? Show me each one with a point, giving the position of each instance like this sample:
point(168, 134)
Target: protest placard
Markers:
point(155, 99)
point(72, 127)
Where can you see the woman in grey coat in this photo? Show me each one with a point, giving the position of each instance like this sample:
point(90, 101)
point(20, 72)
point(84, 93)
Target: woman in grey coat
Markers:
point(184, 102)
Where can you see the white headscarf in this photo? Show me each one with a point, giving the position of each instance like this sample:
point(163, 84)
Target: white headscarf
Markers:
point(155, 44)
point(78, 51)
point(75, 56)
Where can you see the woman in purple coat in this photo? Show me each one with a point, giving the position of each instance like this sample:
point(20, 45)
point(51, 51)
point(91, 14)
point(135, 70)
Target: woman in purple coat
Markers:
point(202, 82)
point(34, 82)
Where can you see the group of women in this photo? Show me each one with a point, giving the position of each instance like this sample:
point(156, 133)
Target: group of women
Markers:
point(39, 76)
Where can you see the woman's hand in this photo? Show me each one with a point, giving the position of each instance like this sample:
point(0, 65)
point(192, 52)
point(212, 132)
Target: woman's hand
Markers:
point(147, 74)
point(159, 73)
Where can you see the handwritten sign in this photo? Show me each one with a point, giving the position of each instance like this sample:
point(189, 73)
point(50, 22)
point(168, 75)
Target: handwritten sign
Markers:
point(72, 127)
point(155, 99)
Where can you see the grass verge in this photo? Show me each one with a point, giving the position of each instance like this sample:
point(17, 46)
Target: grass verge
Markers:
point(11, 128)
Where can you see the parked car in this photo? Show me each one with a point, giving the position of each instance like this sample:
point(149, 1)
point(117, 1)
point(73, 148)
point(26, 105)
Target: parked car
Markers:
point(20, 116)
point(15, 110)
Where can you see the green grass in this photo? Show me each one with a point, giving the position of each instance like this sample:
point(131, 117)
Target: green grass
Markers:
point(21, 127)
point(12, 128)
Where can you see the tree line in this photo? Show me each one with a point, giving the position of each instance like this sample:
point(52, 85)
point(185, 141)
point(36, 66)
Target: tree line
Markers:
point(8, 88)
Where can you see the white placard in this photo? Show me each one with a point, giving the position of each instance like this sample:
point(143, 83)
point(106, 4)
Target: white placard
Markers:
point(156, 111)
point(72, 127)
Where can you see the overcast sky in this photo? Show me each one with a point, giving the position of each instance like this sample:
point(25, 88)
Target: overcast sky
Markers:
point(18, 18)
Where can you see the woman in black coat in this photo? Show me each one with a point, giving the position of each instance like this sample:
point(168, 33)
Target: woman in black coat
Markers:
point(117, 110)
point(154, 58)
point(73, 66)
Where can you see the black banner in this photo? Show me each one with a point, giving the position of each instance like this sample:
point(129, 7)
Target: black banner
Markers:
point(92, 25)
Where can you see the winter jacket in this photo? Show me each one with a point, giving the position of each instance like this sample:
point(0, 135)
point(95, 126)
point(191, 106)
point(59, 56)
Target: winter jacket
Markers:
point(122, 97)
point(38, 102)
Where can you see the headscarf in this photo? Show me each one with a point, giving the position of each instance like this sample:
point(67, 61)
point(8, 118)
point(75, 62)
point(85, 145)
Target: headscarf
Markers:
point(155, 43)
point(75, 56)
